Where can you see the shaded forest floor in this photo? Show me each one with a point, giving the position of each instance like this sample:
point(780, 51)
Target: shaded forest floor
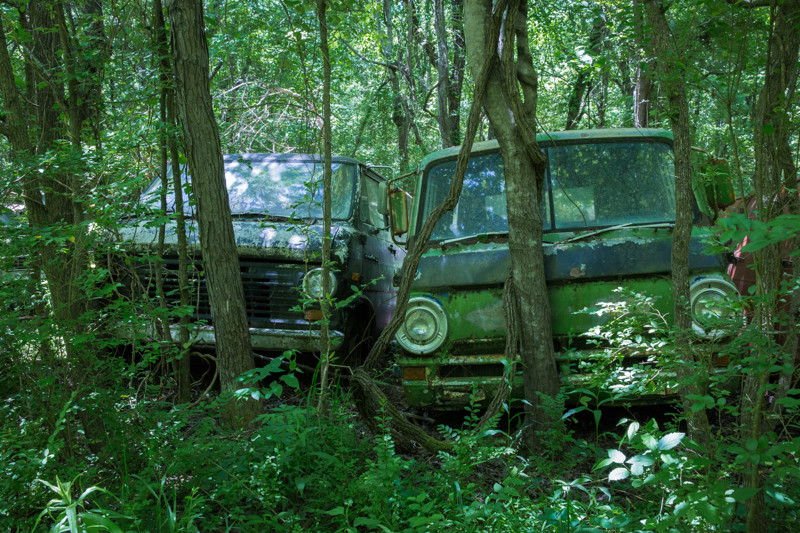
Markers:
point(175, 468)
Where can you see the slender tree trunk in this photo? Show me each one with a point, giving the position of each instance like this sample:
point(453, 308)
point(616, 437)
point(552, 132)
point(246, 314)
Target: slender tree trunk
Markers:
point(450, 74)
point(672, 78)
point(399, 116)
point(169, 152)
point(512, 116)
point(325, 359)
point(643, 88)
point(581, 89)
point(217, 241)
point(774, 168)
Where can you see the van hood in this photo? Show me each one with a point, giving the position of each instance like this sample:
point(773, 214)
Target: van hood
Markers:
point(483, 264)
point(255, 239)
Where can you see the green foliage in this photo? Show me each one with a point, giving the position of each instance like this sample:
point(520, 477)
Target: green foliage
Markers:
point(78, 403)
point(75, 514)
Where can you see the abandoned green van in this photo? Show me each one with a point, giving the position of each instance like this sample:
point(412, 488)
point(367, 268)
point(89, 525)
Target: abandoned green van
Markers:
point(608, 210)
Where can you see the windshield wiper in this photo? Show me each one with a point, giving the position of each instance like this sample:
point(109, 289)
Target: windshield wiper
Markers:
point(614, 228)
point(264, 216)
point(476, 237)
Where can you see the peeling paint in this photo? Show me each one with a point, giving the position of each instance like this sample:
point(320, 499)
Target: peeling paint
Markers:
point(466, 268)
point(277, 252)
point(254, 239)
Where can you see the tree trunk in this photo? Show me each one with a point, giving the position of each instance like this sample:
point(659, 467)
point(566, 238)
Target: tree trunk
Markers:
point(325, 304)
point(672, 78)
point(168, 151)
point(643, 88)
point(450, 76)
point(399, 116)
point(217, 241)
point(581, 89)
point(774, 168)
point(512, 117)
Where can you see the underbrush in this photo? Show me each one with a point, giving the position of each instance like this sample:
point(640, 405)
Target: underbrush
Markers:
point(176, 469)
point(149, 465)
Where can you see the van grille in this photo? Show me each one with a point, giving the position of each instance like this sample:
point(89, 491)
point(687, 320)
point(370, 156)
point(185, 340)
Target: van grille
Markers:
point(270, 291)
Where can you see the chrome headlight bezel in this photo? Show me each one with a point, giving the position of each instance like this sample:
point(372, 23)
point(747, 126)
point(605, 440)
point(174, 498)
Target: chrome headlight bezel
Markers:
point(711, 296)
point(424, 328)
point(312, 283)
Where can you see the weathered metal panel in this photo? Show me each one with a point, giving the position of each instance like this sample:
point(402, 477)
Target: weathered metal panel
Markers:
point(255, 239)
point(630, 251)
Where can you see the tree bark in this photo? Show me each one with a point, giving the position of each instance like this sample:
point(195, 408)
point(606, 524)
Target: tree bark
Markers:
point(450, 75)
point(774, 169)
point(325, 304)
point(217, 241)
point(512, 116)
point(581, 89)
point(168, 152)
point(643, 88)
point(672, 78)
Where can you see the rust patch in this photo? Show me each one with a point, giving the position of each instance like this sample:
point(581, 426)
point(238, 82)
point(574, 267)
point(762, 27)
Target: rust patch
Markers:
point(578, 271)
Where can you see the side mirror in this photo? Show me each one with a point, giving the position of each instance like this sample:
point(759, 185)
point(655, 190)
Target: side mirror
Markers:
point(398, 214)
point(383, 198)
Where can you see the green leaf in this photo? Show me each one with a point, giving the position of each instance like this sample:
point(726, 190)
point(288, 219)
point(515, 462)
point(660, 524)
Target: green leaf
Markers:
point(632, 429)
point(650, 442)
point(603, 463)
point(291, 381)
point(708, 511)
point(369, 522)
point(638, 464)
point(670, 440)
point(744, 493)
point(99, 523)
point(336, 511)
point(681, 508)
point(618, 474)
point(616, 456)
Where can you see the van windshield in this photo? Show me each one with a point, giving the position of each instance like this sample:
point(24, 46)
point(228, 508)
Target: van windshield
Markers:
point(277, 185)
point(587, 186)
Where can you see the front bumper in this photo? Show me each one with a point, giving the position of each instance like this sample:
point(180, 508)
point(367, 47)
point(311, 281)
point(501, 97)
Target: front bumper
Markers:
point(278, 340)
point(266, 339)
point(456, 381)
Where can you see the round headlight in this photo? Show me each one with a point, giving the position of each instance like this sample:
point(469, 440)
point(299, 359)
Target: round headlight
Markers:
point(425, 326)
point(711, 299)
point(312, 283)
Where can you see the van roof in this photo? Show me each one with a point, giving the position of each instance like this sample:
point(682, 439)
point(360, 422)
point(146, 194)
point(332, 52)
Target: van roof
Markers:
point(550, 137)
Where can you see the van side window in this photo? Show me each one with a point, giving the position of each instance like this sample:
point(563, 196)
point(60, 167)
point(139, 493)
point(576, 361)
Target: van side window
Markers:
point(369, 203)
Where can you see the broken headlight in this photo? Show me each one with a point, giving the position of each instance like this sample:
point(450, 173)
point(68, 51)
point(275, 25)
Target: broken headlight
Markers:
point(712, 304)
point(425, 326)
point(312, 283)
